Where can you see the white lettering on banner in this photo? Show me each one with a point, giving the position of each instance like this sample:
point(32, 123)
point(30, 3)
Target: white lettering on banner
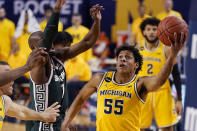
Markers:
point(18, 7)
point(191, 119)
point(194, 47)
point(72, 6)
point(66, 9)
point(1, 3)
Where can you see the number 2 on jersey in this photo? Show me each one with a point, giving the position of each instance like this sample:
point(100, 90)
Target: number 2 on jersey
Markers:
point(118, 106)
point(150, 67)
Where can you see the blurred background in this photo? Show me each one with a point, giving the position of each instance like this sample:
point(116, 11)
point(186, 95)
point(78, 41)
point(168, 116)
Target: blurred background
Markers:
point(120, 25)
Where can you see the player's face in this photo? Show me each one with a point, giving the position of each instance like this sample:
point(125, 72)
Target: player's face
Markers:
point(142, 10)
point(6, 89)
point(2, 13)
point(168, 4)
point(48, 14)
point(126, 62)
point(76, 20)
point(150, 33)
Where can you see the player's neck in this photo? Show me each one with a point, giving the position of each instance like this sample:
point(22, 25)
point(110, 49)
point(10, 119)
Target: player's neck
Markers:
point(122, 78)
point(167, 10)
point(1, 93)
point(151, 46)
point(76, 26)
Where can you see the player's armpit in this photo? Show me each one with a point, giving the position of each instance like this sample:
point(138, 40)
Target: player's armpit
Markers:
point(141, 88)
point(83, 95)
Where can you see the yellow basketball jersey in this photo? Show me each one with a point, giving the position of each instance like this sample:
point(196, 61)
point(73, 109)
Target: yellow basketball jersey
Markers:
point(2, 111)
point(118, 105)
point(153, 61)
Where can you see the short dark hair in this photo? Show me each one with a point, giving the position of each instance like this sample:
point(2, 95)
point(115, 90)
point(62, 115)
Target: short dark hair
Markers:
point(32, 38)
point(62, 38)
point(3, 63)
point(48, 7)
point(149, 21)
point(137, 56)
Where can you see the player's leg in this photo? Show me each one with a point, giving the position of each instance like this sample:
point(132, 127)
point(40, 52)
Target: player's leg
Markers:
point(165, 113)
point(147, 113)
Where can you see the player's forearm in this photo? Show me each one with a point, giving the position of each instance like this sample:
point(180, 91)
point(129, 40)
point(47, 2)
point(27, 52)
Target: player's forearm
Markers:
point(28, 114)
point(50, 31)
point(6, 77)
point(74, 109)
point(90, 39)
point(177, 81)
point(165, 71)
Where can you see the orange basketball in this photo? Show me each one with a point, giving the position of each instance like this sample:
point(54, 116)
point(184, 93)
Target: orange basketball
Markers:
point(168, 26)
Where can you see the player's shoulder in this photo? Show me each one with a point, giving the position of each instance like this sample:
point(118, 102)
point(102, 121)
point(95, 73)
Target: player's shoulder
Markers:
point(6, 98)
point(140, 45)
point(98, 76)
point(177, 13)
point(7, 101)
point(43, 22)
point(9, 22)
point(60, 23)
point(84, 28)
point(69, 29)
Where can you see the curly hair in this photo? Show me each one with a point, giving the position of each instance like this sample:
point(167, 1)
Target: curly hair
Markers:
point(137, 56)
point(63, 38)
point(149, 21)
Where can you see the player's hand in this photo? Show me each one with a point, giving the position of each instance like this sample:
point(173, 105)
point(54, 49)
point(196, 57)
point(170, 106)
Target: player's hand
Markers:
point(179, 107)
point(51, 113)
point(15, 48)
point(178, 44)
point(95, 12)
point(64, 127)
point(59, 5)
point(36, 57)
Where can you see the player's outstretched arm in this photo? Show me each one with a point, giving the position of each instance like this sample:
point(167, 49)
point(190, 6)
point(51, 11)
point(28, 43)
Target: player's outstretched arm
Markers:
point(89, 40)
point(24, 113)
point(84, 94)
point(52, 26)
point(8, 76)
point(154, 83)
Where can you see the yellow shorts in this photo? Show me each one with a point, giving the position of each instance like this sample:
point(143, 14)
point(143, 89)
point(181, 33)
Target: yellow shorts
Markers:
point(160, 105)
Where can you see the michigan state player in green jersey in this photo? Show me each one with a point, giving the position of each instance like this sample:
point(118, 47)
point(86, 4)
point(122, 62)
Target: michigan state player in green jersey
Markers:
point(48, 79)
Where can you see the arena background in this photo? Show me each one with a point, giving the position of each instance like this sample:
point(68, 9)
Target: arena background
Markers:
point(117, 15)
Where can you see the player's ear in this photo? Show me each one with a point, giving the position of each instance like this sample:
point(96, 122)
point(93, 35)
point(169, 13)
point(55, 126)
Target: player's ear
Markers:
point(137, 65)
point(143, 32)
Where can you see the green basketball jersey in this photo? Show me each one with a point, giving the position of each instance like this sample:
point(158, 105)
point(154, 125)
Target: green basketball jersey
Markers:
point(43, 96)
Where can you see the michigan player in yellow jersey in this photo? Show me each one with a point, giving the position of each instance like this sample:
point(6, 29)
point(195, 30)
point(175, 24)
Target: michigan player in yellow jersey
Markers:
point(78, 33)
point(159, 104)
point(121, 94)
point(135, 28)
point(168, 5)
point(48, 12)
point(8, 107)
point(8, 44)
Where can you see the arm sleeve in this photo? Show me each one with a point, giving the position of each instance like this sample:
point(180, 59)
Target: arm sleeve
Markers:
point(177, 81)
point(50, 31)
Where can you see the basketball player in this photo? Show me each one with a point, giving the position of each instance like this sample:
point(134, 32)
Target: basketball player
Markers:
point(48, 80)
point(121, 94)
point(8, 107)
point(159, 104)
point(34, 58)
point(168, 10)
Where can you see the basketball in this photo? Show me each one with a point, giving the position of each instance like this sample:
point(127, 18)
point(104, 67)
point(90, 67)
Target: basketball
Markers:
point(168, 26)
